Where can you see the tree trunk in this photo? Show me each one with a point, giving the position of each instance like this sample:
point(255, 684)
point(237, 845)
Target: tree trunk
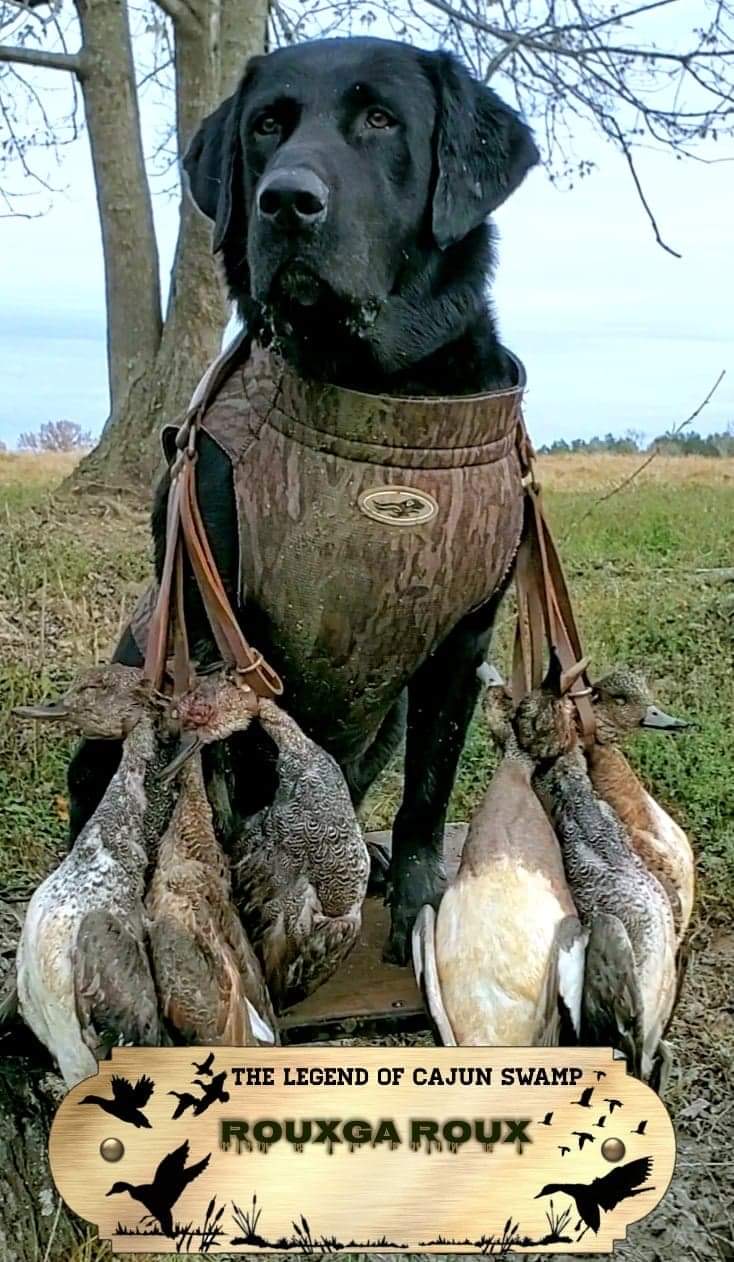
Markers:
point(132, 284)
point(211, 52)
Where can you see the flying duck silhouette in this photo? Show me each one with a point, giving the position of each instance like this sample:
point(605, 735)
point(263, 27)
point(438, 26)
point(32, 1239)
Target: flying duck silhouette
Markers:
point(212, 1091)
point(613, 1104)
point(127, 1100)
point(546, 1120)
point(605, 1193)
point(602, 1120)
point(169, 1182)
point(585, 1100)
point(185, 1101)
point(583, 1136)
point(640, 1128)
point(199, 1104)
point(206, 1065)
point(562, 1150)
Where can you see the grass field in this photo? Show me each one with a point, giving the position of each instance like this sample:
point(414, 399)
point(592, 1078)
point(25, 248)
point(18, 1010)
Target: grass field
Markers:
point(637, 567)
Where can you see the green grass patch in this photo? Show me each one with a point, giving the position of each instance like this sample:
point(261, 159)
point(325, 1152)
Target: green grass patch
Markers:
point(68, 574)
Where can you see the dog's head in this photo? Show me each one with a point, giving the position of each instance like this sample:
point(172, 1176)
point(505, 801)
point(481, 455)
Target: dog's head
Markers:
point(338, 166)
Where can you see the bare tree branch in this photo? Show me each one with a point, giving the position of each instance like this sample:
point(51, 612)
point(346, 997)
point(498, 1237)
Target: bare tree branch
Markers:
point(44, 60)
point(179, 11)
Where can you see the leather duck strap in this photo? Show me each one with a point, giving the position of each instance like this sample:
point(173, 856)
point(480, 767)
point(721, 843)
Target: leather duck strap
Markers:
point(544, 610)
point(186, 537)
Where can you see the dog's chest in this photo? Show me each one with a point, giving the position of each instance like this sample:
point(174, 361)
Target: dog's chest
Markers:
point(367, 530)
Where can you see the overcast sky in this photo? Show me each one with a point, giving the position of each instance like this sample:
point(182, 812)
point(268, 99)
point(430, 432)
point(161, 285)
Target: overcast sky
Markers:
point(615, 333)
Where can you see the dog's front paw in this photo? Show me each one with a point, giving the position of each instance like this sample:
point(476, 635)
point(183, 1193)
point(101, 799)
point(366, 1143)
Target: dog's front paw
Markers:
point(415, 879)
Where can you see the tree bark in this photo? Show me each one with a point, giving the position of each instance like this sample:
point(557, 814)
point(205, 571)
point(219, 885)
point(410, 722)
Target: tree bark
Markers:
point(132, 284)
point(212, 48)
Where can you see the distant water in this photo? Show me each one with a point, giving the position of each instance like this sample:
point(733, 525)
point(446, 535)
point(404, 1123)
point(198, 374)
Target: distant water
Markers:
point(579, 383)
point(46, 378)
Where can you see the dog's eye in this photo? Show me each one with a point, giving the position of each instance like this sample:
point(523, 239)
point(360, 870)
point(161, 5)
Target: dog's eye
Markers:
point(266, 124)
point(379, 119)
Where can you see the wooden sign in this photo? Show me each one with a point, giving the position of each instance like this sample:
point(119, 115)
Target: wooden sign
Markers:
point(237, 1150)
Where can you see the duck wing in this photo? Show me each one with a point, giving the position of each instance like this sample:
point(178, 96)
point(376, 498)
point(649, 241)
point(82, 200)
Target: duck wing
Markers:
point(142, 1091)
point(114, 990)
point(186, 974)
point(302, 946)
point(426, 973)
point(250, 978)
point(621, 1182)
point(169, 1172)
point(130, 1097)
point(612, 1010)
point(558, 1018)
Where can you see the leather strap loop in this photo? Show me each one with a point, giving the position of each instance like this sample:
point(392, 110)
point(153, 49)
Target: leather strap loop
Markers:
point(186, 536)
point(544, 609)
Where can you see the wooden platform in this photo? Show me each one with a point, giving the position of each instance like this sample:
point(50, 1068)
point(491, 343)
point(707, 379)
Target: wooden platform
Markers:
point(366, 995)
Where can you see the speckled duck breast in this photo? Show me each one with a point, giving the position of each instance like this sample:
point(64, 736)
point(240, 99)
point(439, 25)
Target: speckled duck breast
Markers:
point(368, 527)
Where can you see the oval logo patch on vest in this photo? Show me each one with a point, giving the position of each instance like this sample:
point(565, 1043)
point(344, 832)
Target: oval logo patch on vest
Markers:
point(398, 505)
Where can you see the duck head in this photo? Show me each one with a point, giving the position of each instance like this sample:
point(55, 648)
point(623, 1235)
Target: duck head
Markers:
point(497, 704)
point(216, 707)
point(545, 720)
point(103, 702)
point(623, 702)
point(120, 1187)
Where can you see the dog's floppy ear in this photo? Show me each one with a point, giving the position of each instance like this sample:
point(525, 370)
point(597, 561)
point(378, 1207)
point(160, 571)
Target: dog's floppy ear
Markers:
point(213, 159)
point(483, 151)
point(209, 163)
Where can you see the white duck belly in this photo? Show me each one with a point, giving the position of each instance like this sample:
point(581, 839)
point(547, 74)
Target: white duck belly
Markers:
point(491, 991)
point(88, 881)
point(675, 845)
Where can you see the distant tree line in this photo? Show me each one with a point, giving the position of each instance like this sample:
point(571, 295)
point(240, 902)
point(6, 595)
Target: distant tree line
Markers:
point(69, 436)
point(687, 443)
point(56, 436)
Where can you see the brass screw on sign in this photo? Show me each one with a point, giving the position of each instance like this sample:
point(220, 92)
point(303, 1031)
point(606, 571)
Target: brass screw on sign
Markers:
point(112, 1149)
point(613, 1149)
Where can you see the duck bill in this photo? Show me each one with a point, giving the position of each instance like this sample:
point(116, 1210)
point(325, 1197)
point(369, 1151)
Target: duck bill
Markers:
point(188, 746)
point(662, 722)
point(49, 710)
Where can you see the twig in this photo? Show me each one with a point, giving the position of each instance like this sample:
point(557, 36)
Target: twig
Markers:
point(655, 452)
point(624, 146)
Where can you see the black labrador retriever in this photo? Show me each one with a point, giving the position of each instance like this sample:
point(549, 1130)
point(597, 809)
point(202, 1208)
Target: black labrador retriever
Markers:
point(349, 183)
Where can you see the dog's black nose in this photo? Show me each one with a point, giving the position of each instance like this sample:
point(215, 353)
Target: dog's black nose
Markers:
point(293, 199)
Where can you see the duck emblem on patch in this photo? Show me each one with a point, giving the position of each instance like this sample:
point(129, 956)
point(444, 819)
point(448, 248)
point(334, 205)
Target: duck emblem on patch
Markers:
point(398, 505)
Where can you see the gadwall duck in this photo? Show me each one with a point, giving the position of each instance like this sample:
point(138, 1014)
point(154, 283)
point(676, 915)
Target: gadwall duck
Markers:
point(300, 865)
point(83, 975)
point(485, 981)
point(630, 979)
point(208, 977)
point(623, 704)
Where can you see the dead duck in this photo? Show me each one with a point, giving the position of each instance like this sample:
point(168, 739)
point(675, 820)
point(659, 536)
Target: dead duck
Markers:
point(630, 978)
point(82, 968)
point(484, 985)
point(300, 865)
point(623, 704)
point(208, 977)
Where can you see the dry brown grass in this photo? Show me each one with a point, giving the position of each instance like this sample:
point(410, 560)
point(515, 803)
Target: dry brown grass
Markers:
point(48, 469)
point(601, 473)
